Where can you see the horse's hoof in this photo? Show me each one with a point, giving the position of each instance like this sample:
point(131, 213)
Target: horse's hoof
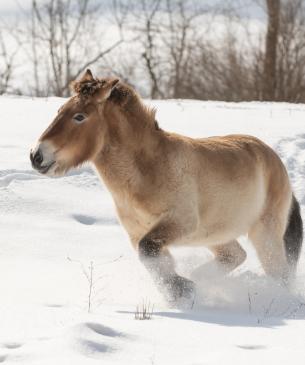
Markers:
point(182, 292)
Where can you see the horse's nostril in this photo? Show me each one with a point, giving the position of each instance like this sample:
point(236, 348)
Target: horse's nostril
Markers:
point(37, 159)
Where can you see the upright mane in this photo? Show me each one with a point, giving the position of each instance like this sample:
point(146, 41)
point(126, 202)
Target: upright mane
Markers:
point(122, 95)
point(130, 102)
point(86, 88)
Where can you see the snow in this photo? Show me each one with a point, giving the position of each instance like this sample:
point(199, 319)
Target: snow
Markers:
point(53, 230)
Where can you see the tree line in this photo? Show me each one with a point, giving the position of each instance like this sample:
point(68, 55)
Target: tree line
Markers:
point(165, 48)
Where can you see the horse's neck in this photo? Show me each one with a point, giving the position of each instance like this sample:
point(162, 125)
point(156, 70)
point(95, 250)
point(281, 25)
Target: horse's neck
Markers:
point(122, 161)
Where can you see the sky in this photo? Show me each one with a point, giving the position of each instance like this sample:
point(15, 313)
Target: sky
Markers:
point(11, 8)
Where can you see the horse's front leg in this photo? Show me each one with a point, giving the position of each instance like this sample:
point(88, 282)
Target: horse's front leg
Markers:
point(155, 256)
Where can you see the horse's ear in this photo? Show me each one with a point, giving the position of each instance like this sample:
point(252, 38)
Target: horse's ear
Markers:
point(113, 82)
point(87, 76)
point(106, 89)
point(77, 86)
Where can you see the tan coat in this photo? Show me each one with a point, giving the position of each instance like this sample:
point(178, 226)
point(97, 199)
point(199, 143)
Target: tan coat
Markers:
point(169, 189)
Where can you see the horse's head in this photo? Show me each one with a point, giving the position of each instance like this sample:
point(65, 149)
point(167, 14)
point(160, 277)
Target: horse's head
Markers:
point(76, 134)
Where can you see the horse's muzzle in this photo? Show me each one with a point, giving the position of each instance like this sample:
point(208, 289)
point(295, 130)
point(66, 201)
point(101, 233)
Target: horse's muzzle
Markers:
point(37, 160)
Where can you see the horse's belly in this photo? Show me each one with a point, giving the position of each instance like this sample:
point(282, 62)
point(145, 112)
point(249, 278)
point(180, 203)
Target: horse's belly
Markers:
point(220, 232)
point(227, 219)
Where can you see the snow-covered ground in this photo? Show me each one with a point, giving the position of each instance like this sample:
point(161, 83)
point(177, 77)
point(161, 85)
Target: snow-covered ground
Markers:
point(54, 231)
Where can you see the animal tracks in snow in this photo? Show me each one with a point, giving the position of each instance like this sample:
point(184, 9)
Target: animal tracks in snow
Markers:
point(54, 305)
point(93, 348)
point(9, 176)
point(84, 219)
point(90, 339)
point(88, 220)
point(252, 347)
point(94, 339)
point(102, 330)
point(12, 345)
point(83, 177)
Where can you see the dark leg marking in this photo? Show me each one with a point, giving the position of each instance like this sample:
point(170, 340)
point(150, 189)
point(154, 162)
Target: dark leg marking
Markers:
point(149, 248)
point(160, 264)
point(229, 255)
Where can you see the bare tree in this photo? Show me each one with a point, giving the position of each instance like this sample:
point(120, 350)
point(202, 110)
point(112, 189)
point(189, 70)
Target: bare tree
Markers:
point(201, 67)
point(7, 62)
point(66, 38)
point(170, 48)
point(291, 52)
point(166, 31)
point(181, 60)
point(179, 35)
point(148, 31)
point(269, 83)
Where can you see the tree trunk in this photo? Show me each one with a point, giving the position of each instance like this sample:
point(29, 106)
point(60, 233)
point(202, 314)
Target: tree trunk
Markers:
point(269, 79)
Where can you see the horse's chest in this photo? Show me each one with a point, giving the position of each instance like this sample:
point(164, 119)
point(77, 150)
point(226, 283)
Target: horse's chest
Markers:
point(136, 220)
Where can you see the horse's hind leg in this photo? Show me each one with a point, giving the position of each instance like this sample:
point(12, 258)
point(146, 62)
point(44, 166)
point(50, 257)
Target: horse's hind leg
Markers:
point(228, 256)
point(267, 238)
point(278, 235)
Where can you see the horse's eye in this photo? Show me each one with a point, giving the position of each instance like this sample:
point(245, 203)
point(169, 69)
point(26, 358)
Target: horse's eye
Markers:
point(79, 118)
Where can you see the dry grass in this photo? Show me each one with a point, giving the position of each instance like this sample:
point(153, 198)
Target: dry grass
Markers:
point(144, 311)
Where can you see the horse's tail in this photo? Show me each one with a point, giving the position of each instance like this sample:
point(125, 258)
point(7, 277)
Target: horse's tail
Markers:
point(293, 236)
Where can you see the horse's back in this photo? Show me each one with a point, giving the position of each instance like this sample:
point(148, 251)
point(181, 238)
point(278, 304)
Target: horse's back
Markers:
point(238, 158)
point(238, 179)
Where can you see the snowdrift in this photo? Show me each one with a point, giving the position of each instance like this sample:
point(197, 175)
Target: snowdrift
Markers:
point(58, 235)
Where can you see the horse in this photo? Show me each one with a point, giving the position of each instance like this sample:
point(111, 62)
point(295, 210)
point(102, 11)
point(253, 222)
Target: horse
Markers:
point(172, 190)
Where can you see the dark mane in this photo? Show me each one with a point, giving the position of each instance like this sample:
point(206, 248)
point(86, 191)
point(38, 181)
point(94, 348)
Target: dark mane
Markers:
point(87, 88)
point(122, 95)
point(128, 99)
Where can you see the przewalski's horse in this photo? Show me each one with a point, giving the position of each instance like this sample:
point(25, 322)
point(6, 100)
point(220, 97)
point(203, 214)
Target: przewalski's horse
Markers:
point(173, 190)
